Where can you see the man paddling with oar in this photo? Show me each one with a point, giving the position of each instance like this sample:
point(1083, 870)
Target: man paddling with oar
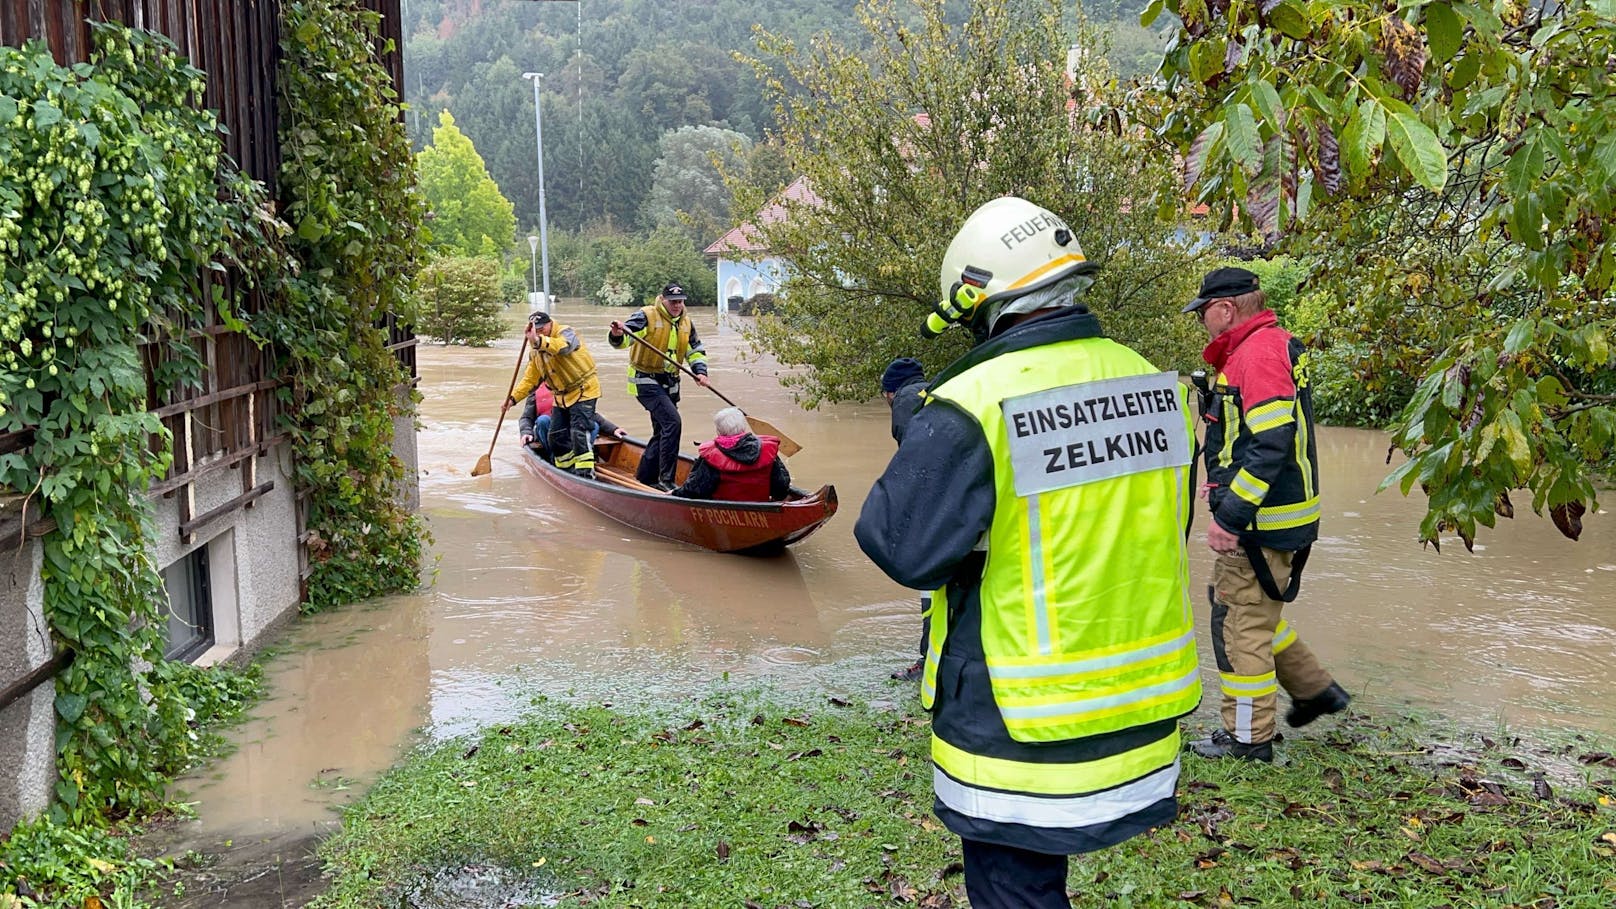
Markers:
point(667, 339)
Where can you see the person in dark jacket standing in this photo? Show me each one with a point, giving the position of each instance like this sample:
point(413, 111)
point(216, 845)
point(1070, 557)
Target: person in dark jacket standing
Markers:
point(1263, 487)
point(903, 384)
point(737, 466)
point(653, 376)
point(1042, 493)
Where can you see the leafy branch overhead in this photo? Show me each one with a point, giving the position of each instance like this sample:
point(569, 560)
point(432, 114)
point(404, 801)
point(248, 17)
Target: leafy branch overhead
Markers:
point(1448, 165)
point(898, 144)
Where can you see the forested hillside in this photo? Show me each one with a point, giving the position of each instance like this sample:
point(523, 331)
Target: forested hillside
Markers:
point(636, 70)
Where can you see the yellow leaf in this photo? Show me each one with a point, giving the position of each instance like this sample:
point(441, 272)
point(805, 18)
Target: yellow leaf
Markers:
point(1607, 801)
point(102, 867)
point(92, 902)
point(1414, 821)
point(1609, 837)
point(539, 863)
point(651, 840)
point(10, 901)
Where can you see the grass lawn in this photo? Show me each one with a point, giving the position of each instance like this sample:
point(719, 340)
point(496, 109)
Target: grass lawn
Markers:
point(741, 801)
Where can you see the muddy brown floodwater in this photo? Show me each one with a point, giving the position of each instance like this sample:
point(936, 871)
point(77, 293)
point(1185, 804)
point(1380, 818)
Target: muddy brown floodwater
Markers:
point(532, 594)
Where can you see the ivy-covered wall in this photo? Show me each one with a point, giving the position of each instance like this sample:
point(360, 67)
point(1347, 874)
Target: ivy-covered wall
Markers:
point(124, 227)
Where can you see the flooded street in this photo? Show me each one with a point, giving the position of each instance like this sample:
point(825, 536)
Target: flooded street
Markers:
point(533, 594)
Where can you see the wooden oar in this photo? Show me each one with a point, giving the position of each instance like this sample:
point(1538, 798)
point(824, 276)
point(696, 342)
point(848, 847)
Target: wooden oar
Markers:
point(788, 445)
point(485, 464)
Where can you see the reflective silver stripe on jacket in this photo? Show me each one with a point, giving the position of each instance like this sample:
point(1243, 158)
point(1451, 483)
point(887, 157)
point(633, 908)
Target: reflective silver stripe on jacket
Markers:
point(1044, 811)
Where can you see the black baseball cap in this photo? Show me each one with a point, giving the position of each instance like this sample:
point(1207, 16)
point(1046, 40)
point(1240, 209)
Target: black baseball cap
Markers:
point(1220, 283)
point(538, 318)
point(673, 291)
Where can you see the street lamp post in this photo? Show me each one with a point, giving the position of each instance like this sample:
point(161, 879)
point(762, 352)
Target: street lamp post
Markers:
point(533, 297)
point(538, 134)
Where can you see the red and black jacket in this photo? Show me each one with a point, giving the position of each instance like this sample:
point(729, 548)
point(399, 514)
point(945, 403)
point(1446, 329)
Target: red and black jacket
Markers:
point(749, 470)
point(1261, 456)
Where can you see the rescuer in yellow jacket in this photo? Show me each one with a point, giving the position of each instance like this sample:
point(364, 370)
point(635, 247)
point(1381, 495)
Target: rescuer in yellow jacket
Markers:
point(560, 357)
point(1043, 493)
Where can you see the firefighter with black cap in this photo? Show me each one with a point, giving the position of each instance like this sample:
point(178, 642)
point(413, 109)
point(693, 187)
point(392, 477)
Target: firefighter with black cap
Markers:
point(561, 360)
point(669, 338)
point(1263, 487)
point(1042, 492)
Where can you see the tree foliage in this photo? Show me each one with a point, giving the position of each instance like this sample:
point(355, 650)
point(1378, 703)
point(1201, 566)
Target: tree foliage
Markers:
point(640, 69)
point(461, 301)
point(688, 188)
point(900, 145)
point(470, 216)
point(1449, 165)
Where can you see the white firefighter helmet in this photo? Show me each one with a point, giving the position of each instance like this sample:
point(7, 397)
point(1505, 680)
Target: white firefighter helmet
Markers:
point(1006, 249)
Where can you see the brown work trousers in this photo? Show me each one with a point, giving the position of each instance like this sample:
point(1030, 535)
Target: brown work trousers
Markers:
point(1256, 649)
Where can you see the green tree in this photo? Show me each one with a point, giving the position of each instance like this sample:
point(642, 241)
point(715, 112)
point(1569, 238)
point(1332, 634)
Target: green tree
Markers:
point(900, 145)
point(1449, 165)
point(469, 214)
point(460, 303)
point(688, 188)
point(643, 265)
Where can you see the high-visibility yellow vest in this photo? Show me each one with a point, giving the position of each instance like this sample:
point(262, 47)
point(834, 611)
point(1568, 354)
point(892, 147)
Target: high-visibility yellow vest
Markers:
point(1085, 594)
point(664, 334)
point(570, 375)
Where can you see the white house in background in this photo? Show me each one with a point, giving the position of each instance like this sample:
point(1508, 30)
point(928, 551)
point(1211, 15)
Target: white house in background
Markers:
point(745, 267)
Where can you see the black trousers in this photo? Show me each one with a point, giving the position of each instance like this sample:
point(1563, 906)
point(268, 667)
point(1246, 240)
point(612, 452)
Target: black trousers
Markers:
point(1004, 877)
point(569, 441)
point(661, 459)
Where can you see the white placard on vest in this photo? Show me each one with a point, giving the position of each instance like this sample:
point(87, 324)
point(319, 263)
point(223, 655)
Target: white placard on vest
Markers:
point(1095, 431)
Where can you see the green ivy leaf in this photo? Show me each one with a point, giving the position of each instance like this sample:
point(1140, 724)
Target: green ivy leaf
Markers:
point(1148, 17)
point(46, 114)
point(71, 706)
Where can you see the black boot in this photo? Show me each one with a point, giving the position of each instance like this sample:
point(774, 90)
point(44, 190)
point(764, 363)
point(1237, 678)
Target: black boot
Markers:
point(1223, 744)
point(910, 673)
point(1333, 699)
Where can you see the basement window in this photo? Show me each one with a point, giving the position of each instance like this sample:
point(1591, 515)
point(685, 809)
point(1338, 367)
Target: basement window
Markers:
point(190, 607)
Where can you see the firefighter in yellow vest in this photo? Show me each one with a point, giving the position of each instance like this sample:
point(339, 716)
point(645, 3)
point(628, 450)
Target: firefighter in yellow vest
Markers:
point(561, 359)
point(1042, 493)
point(653, 376)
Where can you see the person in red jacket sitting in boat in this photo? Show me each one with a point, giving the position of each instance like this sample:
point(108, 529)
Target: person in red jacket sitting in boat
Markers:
point(737, 466)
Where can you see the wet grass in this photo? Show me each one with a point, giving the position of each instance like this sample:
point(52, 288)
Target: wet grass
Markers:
point(742, 802)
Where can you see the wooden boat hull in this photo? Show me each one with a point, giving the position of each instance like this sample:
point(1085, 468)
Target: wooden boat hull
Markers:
point(741, 527)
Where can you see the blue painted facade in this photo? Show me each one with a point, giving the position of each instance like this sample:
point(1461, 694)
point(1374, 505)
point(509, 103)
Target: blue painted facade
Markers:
point(746, 278)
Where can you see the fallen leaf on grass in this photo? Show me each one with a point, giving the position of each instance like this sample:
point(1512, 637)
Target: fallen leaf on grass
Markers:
point(795, 721)
point(1370, 865)
point(1540, 788)
point(1601, 758)
point(1513, 763)
point(1427, 863)
point(838, 702)
point(643, 801)
point(723, 851)
point(1333, 780)
point(1190, 896)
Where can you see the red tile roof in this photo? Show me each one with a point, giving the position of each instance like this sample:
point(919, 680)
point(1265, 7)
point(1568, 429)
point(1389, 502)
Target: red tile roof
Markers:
point(741, 239)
